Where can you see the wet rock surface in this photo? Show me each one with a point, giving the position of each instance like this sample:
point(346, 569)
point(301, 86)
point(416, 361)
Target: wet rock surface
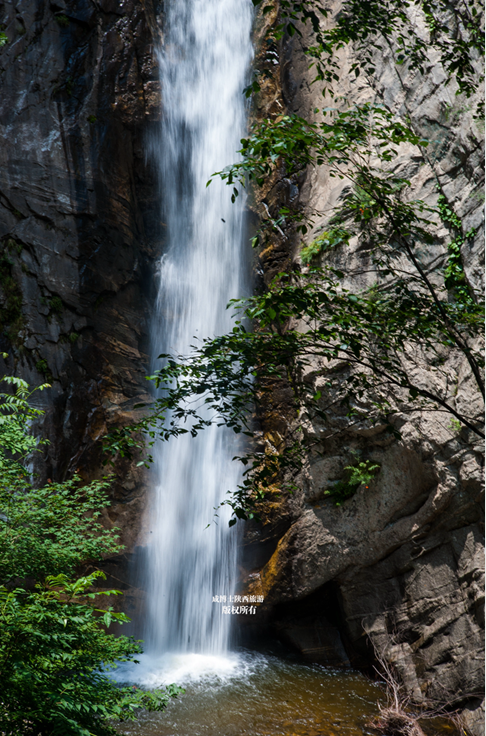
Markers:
point(79, 222)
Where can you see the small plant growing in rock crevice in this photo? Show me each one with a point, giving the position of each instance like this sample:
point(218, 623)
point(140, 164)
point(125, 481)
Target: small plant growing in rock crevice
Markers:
point(455, 425)
point(327, 240)
point(356, 475)
point(42, 366)
point(13, 245)
point(62, 20)
point(56, 305)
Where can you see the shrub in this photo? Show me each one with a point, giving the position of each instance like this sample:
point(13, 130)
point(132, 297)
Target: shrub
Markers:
point(55, 650)
point(356, 475)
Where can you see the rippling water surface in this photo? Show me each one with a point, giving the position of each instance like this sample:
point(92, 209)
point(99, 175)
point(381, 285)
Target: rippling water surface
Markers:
point(258, 694)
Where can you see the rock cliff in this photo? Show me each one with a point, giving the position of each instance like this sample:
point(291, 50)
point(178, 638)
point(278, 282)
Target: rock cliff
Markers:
point(398, 569)
point(79, 221)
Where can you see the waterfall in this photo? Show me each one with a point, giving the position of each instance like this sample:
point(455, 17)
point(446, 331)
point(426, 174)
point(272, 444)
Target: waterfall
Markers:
point(204, 62)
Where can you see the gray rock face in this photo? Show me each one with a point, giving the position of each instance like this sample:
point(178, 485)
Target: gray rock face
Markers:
point(402, 561)
point(78, 219)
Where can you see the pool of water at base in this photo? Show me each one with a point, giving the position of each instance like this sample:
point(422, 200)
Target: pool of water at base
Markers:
point(254, 693)
point(249, 693)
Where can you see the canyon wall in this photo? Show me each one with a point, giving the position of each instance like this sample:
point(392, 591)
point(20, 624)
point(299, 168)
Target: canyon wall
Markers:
point(398, 569)
point(79, 223)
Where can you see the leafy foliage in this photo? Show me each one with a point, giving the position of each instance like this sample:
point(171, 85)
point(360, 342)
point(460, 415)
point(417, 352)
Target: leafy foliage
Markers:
point(62, 20)
point(364, 345)
point(402, 320)
point(360, 474)
point(454, 276)
point(225, 378)
point(325, 241)
point(55, 652)
point(352, 145)
point(375, 25)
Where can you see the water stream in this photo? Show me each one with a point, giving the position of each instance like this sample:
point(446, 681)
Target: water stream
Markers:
point(204, 63)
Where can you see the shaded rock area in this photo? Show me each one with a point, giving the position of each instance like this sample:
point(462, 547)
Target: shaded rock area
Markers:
point(315, 638)
point(79, 222)
point(397, 570)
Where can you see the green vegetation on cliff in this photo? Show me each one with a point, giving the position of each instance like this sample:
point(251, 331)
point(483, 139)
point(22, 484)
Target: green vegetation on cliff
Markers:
point(55, 651)
point(367, 354)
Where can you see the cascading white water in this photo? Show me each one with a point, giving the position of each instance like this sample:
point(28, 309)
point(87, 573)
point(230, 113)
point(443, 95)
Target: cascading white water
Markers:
point(203, 65)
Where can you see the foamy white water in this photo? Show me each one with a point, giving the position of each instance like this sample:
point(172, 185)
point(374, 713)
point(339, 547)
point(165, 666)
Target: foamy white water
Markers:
point(204, 62)
point(189, 667)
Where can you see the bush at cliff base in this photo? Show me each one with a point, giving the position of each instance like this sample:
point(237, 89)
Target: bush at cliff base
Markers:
point(55, 651)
